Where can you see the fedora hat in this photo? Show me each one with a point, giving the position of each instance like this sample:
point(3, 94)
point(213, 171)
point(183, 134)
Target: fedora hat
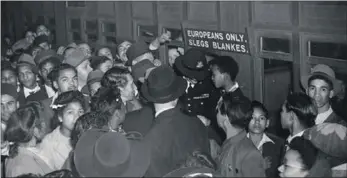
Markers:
point(325, 71)
point(75, 58)
point(43, 55)
point(93, 76)
point(27, 60)
point(135, 50)
point(139, 69)
point(163, 85)
point(193, 64)
point(191, 172)
point(100, 153)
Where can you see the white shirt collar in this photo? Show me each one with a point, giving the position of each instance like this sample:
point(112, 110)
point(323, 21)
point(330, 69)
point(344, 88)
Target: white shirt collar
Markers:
point(290, 138)
point(321, 117)
point(28, 91)
point(263, 140)
point(50, 91)
point(79, 88)
point(189, 84)
point(162, 110)
point(55, 96)
point(234, 87)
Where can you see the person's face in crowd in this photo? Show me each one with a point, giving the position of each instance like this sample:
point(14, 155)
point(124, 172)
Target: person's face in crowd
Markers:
point(83, 69)
point(67, 81)
point(45, 70)
point(105, 52)
point(259, 122)
point(42, 30)
point(8, 105)
point(68, 52)
point(320, 92)
point(292, 165)
point(70, 114)
point(45, 46)
point(93, 88)
point(8, 76)
point(129, 91)
point(286, 118)
point(27, 77)
point(173, 54)
point(86, 49)
point(36, 51)
point(122, 49)
point(30, 36)
point(104, 67)
point(217, 77)
point(117, 117)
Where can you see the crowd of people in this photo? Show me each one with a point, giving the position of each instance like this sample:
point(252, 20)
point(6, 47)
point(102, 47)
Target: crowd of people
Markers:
point(72, 111)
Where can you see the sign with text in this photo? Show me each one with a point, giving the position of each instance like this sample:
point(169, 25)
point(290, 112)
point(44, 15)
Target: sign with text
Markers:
point(217, 40)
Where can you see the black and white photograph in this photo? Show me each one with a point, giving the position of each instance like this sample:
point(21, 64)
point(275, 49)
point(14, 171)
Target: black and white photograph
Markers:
point(173, 89)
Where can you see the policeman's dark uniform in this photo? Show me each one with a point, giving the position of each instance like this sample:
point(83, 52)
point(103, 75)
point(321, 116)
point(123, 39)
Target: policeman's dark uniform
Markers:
point(200, 98)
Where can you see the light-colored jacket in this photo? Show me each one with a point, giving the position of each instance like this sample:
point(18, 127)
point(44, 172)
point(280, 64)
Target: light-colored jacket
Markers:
point(27, 161)
point(240, 158)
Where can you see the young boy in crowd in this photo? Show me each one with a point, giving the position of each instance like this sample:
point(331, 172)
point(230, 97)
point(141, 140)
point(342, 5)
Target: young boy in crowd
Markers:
point(46, 61)
point(64, 78)
point(78, 60)
point(271, 146)
point(27, 75)
point(238, 157)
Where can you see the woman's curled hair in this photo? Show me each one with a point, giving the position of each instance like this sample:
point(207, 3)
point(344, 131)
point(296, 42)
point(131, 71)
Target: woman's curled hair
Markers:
point(106, 100)
point(62, 101)
point(21, 124)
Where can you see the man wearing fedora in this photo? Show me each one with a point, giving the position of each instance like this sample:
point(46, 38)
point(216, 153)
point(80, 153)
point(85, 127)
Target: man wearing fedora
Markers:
point(173, 135)
point(100, 153)
point(28, 72)
point(321, 85)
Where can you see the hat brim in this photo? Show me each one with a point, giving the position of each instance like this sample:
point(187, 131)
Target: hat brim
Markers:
point(185, 172)
point(138, 164)
point(85, 89)
point(43, 59)
point(181, 86)
point(193, 74)
point(34, 68)
point(336, 83)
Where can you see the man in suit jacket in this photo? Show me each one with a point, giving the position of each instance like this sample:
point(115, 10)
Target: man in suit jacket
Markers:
point(224, 71)
point(64, 77)
point(238, 157)
point(321, 85)
point(173, 135)
point(27, 76)
point(139, 120)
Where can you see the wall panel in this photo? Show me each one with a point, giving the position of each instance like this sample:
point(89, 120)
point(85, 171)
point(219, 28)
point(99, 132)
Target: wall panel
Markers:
point(170, 11)
point(272, 12)
point(322, 16)
point(143, 9)
point(106, 8)
point(203, 11)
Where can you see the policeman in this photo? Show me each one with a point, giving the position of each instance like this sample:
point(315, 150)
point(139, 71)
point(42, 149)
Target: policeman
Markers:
point(201, 97)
